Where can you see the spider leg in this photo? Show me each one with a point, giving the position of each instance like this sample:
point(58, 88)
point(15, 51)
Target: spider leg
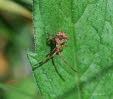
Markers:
point(66, 62)
point(42, 62)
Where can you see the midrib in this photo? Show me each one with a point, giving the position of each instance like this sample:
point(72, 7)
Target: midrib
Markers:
point(75, 55)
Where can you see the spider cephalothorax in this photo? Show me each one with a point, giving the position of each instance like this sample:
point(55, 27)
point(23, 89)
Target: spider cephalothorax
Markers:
point(60, 38)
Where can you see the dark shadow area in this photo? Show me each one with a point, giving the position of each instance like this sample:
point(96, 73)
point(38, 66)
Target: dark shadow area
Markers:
point(97, 76)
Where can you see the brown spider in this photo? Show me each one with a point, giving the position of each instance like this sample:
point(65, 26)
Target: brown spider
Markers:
point(59, 41)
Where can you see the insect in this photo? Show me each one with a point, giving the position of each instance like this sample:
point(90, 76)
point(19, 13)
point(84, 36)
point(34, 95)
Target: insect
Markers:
point(59, 41)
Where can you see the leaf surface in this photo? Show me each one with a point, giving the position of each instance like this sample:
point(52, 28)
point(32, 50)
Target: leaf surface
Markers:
point(89, 25)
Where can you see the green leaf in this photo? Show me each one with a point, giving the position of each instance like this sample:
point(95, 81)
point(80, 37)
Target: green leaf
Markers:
point(89, 24)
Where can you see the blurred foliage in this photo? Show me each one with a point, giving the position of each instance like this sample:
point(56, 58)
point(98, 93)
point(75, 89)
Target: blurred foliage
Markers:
point(26, 89)
point(16, 39)
point(26, 3)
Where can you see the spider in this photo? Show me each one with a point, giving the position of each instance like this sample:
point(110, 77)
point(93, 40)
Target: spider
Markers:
point(59, 41)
